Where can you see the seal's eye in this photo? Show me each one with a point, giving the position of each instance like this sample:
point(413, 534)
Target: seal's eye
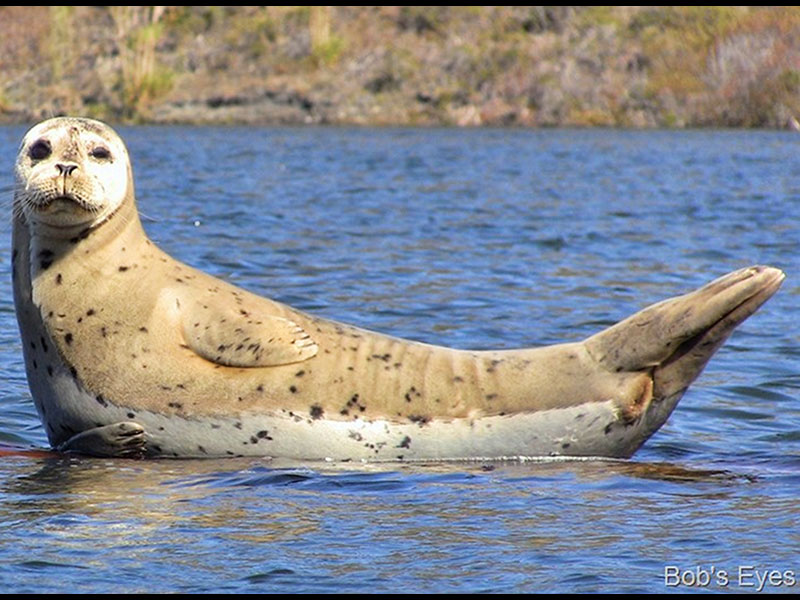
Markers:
point(40, 150)
point(100, 152)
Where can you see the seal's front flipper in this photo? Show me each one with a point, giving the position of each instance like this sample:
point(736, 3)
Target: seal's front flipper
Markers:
point(119, 440)
point(239, 334)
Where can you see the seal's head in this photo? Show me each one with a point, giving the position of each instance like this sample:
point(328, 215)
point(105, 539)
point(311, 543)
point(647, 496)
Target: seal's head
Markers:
point(70, 173)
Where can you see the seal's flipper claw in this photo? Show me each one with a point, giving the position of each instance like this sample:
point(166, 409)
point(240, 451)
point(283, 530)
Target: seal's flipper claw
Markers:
point(125, 439)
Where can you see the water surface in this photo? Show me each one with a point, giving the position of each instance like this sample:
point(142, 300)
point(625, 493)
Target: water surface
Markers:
point(473, 239)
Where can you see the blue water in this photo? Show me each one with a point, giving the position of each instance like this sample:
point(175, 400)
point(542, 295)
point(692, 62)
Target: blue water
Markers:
point(467, 238)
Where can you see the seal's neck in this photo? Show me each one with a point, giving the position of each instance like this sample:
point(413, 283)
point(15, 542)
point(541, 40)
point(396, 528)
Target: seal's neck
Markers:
point(49, 244)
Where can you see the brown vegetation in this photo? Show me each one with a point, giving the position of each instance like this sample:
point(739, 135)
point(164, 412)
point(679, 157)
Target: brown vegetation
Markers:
point(530, 66)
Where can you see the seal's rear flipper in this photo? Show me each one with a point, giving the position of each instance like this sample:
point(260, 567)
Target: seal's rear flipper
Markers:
point(696, 323)
point(121, 440)
point(673, 340)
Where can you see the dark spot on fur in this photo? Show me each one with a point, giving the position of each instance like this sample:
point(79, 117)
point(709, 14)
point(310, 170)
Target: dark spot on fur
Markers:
point(45, 264)
point(58, 279)
point(73, 372)
point(131, 415)
point(176, 405)
point(405, 443)
point(123, 268)
point(260, 388)
point(100, 400)
point(81, 236)
point(316, 411)
point(49, 370)
point(35, 366)
point(300, 373)
point(44, 344)
point(418, 419)
point(238, 425)
point(203, 450)
point(293, 389)
point(607, 429)
point(143, 329)
point(68, 338)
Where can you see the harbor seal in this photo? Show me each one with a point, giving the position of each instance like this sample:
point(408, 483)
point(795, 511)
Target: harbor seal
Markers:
point(130, 352)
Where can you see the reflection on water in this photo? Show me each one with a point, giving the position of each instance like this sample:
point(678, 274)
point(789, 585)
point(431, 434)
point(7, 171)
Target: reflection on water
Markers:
point(260, 525)
point(488, 239)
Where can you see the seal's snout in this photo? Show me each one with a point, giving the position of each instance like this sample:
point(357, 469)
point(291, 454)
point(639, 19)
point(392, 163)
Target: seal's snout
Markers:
point(66, 169)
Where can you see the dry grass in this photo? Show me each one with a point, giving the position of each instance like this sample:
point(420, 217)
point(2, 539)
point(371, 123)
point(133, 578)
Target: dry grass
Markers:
point(583, 66)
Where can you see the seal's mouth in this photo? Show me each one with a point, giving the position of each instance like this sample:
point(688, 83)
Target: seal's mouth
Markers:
point(59, 203)
point(63, 205)
point(62, 211)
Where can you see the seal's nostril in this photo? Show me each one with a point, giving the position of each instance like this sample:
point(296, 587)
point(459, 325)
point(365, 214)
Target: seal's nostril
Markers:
point(66, 169)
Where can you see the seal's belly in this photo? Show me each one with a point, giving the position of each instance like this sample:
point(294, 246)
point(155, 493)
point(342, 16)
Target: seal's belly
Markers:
point(584, 430)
